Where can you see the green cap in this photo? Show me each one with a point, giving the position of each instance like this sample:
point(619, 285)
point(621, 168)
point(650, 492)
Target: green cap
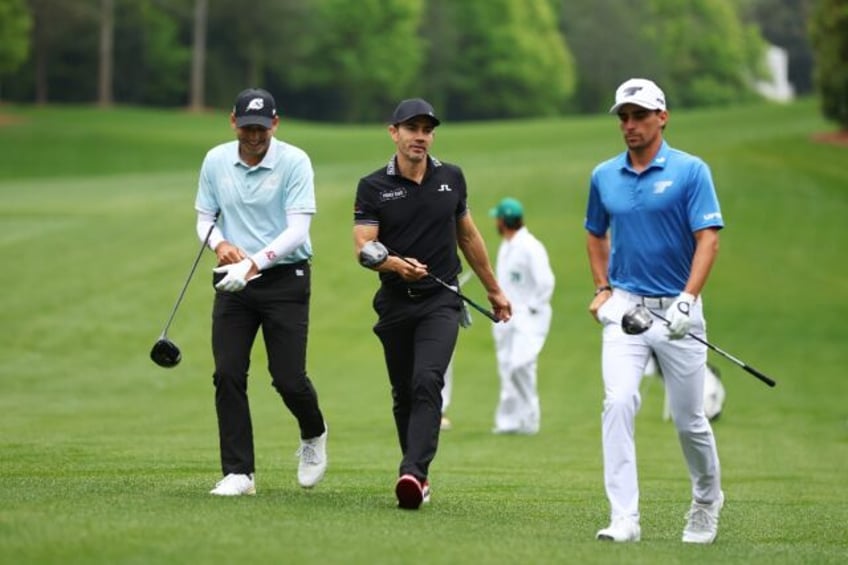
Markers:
point(508, 208)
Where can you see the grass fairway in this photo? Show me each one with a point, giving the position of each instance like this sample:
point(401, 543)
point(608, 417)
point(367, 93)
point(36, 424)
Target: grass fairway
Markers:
point(106, 458)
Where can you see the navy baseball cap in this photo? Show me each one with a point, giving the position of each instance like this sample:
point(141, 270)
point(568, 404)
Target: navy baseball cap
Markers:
point(412, 108)
point(255, 107)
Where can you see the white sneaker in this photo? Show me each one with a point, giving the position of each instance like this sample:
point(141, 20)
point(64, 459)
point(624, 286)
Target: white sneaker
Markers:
point(702, 521)
point(234, 484)
point(622, 529)
point(445, 424)
point(313, 460)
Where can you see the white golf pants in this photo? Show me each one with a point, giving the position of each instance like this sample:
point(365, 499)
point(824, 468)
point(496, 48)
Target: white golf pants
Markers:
point(682, 363)
point(517, 347)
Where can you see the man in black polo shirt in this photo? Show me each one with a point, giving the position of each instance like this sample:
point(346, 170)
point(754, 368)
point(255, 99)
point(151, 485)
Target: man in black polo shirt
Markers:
point(416, 207)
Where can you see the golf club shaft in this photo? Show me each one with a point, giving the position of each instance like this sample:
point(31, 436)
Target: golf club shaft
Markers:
point(453, 289)
point(188, 279)
point(726, 355)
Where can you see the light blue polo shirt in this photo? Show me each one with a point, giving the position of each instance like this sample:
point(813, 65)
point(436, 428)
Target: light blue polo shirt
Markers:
point(651, 217)
point(253, 201)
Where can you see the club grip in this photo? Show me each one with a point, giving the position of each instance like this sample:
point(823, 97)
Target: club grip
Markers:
point(759, 375)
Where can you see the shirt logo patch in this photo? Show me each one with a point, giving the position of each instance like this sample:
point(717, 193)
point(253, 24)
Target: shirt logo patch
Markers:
point(660, 186)
point(298, 272)
point(445, 188)
point(395, 194)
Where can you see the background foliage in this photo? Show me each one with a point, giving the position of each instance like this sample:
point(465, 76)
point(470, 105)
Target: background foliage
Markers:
point(348, 60)
point(829, 28)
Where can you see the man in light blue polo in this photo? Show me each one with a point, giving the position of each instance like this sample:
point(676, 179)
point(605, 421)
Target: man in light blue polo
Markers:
point(652, 224)
point(257, 196)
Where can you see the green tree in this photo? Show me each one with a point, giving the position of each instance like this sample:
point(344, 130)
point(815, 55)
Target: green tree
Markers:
point(707, 56)
point(15, 25)
point(511, 61)
point(608, 49)
point(440, 34)
point(829, 34)
point(256, 43)
point(64, 55)
point(152, 52)
point(363, 56)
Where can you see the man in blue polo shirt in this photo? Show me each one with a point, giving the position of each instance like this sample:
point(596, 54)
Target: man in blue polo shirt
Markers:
point(257, 196)
point(652, 221)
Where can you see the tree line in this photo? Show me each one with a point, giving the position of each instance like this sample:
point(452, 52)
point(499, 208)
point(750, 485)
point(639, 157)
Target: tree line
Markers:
point(351, 60)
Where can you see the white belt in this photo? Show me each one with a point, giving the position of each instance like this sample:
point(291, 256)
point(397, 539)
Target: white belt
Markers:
point(656, 302)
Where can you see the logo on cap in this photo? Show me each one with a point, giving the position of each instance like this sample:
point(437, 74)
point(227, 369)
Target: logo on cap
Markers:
point(255, 104)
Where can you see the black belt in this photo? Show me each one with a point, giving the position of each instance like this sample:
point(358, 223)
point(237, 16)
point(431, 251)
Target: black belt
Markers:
point(412, 293)
point(282, 267)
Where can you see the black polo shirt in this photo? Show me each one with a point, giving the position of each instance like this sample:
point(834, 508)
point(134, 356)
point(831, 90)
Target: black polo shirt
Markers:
point(416, 220)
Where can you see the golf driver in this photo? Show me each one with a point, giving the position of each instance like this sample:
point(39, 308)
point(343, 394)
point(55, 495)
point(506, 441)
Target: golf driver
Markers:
point(165, 352)
point(638, 320)
point(374, 253)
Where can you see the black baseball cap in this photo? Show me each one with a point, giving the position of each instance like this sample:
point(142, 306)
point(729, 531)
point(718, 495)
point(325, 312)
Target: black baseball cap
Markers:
point(255, 107)
point(412, 108)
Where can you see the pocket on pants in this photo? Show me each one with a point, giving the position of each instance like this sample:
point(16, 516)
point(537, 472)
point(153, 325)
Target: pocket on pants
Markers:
point(610, 311)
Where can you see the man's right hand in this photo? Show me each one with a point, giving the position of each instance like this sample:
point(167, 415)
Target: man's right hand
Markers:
point(597, 302)
point(408, 272)
point(228, 253)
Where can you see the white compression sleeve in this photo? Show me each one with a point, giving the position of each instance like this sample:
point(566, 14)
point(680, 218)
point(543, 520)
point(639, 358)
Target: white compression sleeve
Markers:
point(206, 220)
point(295, 235)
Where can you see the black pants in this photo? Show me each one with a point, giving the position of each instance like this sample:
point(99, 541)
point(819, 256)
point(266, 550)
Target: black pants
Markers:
point(278, 301)
point(418, 336)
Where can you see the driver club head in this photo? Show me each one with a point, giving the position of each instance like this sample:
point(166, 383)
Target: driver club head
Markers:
point(637, 320)
point(165, 353)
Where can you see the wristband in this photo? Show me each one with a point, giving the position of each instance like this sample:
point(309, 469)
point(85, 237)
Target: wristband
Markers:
point(601, 289)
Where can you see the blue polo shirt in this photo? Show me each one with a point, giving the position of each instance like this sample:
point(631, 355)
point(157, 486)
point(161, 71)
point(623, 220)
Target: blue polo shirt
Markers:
point(253, 201)
point(651, 217)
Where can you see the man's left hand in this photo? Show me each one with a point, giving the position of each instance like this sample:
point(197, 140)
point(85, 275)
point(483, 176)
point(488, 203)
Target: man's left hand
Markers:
point(677, 315)
point(237, 275)
point(501, 306)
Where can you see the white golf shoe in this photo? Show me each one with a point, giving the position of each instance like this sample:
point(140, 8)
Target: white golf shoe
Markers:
point(702, 521)
point(622, 529)
point(313, 460)
point(234, 484)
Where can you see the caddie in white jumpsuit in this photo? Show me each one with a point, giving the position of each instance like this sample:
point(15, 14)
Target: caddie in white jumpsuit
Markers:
point(524, 273)
point(652, 221)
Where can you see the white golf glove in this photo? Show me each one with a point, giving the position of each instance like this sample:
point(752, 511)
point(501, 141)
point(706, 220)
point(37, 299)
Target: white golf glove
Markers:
point(234, 280)
point(677, 315)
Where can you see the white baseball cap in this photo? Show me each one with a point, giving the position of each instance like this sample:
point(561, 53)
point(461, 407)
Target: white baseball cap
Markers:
point(641, 92)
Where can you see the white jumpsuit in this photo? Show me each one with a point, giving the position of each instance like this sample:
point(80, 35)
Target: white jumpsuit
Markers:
point(524, 273)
